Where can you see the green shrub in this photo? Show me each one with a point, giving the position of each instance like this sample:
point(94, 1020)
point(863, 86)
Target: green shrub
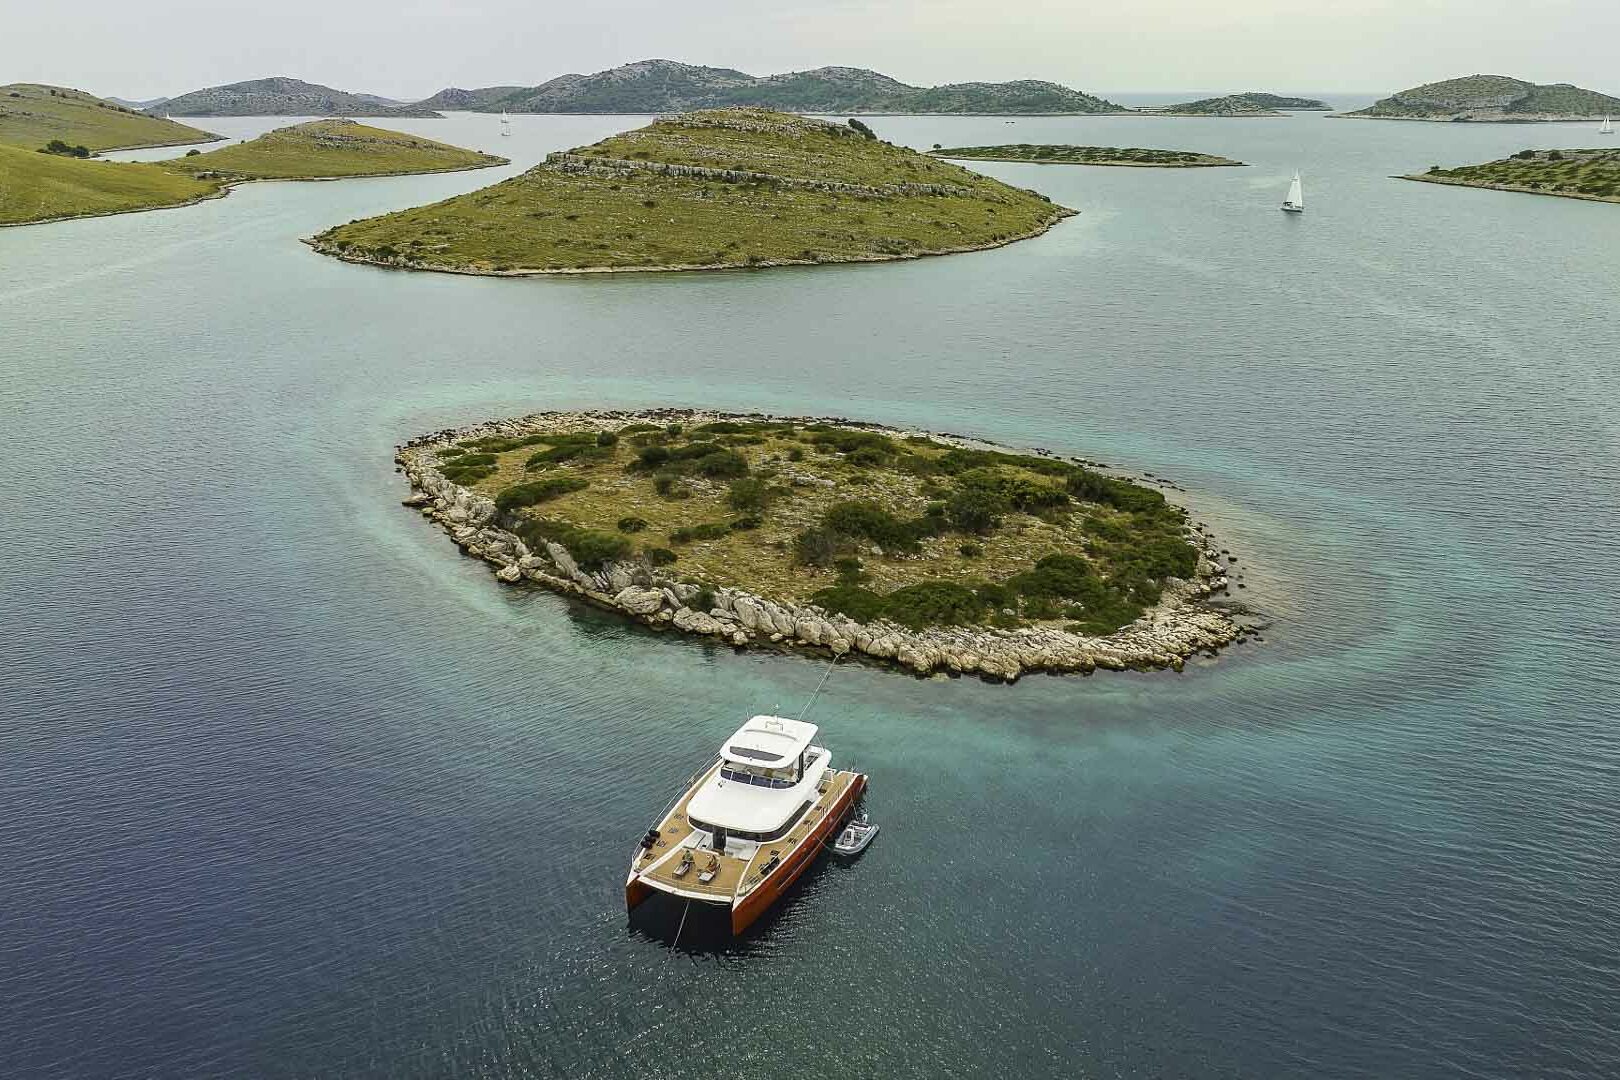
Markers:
point(590, 548)
point(795, 454)
point(975, 510)
point(607, 438)
point(467, 459)
point(819, 546)
point(631, 524)
point(860, 604)
point(709, 530)
point(850, 571)
point(658, 556)
point(970, 551)
point(568, 451)
point(869, 521)
point(749, 494)
point(933, 603)
point(744, 524)
point(539, 491)
point(649, 458)
point(703, 601)
point(722, 465)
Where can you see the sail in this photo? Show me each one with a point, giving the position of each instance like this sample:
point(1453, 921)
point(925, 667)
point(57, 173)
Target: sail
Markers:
point(1296, 193)
point(1607, 128)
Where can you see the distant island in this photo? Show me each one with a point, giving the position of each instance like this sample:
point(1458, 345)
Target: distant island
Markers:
point(33, 114)
point(928, 551)
point(1572, 174)
point(659, 86)
point(53, 183)
point(331, 150)
point(1126, 156)
point(1247, 104)
point(714, 189)
point(281, 96)
point(1492, 99)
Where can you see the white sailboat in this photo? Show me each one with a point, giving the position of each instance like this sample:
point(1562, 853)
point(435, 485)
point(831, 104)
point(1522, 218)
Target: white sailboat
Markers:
point(506, 123)
point(1295, 202)
point(1607, 128)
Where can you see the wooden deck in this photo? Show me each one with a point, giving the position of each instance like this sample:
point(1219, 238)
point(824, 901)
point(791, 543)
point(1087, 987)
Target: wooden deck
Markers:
point(735, 876)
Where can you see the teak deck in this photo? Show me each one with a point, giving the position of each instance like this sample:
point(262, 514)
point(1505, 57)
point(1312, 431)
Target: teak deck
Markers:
point(737, 876)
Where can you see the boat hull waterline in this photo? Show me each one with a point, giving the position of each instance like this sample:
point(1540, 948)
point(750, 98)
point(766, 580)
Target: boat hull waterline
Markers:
point(651, 869)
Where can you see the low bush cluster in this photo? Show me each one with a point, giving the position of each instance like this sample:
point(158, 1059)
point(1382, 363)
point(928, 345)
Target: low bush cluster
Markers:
point(590, 548)
point(539, 491)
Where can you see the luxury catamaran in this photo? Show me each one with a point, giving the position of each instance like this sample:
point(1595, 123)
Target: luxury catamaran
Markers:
point(1295, 202)
point(749, 824)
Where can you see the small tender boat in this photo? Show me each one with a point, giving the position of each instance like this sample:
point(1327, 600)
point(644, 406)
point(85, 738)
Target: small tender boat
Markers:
point(1295, 202)
point(856, 835)
point(748, 824)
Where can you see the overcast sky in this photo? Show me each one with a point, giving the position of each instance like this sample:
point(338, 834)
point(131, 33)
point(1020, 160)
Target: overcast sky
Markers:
point(410, 48)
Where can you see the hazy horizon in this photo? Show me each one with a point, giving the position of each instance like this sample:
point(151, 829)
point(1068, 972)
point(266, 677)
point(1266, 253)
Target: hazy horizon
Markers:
point(1364, 47)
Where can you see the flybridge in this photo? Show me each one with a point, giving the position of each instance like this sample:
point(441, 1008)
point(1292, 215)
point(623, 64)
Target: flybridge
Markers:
point(770, 742)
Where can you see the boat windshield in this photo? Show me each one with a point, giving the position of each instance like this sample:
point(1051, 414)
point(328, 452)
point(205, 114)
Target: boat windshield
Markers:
point(760, 777)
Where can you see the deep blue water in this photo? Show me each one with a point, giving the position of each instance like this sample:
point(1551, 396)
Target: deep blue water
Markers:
point(290, 789)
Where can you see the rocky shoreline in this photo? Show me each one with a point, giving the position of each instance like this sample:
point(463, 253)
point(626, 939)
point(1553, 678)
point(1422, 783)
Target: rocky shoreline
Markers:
point(1186, 622)
point(402, 262)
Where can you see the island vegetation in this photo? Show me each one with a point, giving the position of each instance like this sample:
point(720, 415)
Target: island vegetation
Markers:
point(1250, 104)
point(1491, 99)
point(1574, 174)
point(717, 189)
point(662, 86)
point(331, 149)
point(282, 96)
point(36, 187)
point(52, 186)
point(828, 533)
point(34, 115)
point(1126, 156)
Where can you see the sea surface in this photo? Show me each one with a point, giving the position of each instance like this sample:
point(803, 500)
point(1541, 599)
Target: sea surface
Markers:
point(289, 788)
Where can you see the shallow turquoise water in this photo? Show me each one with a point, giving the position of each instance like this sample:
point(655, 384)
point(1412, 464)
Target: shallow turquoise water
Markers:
point(291, 789)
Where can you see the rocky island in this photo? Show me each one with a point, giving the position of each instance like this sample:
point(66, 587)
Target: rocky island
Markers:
point(662, 86)
point(717, 189)
point(1491, 99)
point(1572, 174)
point(331, 150)
point(1122, 156)
point(1248, 104)
point(932, 552)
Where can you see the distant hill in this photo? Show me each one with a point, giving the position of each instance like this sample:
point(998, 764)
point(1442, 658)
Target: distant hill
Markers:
point(1488, 98)
point(32, 114)
point(1247, 104)
point(457, 99)
point(129, 103)
point(659, 86)
point(282, 97)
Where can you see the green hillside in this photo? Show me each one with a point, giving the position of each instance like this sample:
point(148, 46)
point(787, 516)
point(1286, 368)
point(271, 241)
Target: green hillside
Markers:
point(328, 149)
point(32, 115)
point(722, 188)
point(1576, 174)
point(44, 187)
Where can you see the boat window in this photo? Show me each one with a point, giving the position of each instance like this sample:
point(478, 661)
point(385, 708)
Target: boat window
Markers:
point(752, 752)
point(768, 778)
point(758, 837)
